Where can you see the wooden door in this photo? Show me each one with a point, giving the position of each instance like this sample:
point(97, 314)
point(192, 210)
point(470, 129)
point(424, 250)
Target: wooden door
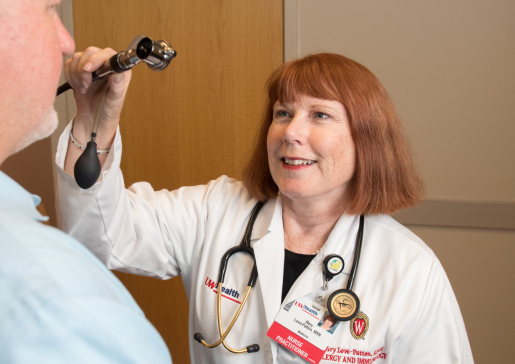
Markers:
point(194, 121)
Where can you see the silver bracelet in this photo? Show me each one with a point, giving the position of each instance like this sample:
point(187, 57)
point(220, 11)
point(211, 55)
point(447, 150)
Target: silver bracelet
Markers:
point(74, 141)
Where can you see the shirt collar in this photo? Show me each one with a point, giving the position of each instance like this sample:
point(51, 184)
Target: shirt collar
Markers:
point(14, 197)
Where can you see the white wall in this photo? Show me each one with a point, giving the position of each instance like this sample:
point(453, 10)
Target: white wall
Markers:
point(449, 68)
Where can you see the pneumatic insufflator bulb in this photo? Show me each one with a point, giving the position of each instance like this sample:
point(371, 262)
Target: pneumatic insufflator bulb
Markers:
point(87, 168)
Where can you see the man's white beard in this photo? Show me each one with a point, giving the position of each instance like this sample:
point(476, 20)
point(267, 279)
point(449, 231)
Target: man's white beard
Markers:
point(47, 126)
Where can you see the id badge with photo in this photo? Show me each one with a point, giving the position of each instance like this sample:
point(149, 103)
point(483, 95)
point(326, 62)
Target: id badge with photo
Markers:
point(304, 327)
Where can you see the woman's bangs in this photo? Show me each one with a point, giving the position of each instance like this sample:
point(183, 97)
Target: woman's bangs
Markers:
point(298, 78)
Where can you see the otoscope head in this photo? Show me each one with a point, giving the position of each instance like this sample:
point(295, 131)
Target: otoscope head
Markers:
point(157, 55)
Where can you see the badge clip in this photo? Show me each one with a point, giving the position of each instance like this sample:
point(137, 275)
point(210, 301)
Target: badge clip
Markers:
point(333, 265)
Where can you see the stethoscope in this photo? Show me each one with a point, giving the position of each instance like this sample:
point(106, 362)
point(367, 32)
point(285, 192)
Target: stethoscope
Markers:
point(343, 304)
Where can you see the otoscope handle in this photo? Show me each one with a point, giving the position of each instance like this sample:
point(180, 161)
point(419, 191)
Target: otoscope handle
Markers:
point(104, 71)
point(64, 87)
point(113, 66)
point(157, 55)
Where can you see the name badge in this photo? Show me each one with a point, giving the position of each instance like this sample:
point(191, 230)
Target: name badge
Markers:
point(304, 327)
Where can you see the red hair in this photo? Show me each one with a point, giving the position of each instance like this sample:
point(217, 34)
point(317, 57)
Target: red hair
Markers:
point(385, 179)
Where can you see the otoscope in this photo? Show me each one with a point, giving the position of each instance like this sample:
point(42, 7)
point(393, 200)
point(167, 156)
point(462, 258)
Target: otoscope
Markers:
point(157, 55)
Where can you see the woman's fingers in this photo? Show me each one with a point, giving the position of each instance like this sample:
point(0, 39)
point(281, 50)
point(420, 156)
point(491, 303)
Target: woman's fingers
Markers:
point(70, 71)
point(79, 69)
point(84, 74)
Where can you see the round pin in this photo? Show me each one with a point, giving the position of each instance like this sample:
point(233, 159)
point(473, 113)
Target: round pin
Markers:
point(333, 265)
point(343, 304)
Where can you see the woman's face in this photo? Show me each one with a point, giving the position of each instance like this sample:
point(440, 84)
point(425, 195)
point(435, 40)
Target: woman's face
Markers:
point(328, 323)
point(311, 152)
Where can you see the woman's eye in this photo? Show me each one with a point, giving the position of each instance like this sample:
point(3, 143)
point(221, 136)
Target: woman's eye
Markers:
point(281, 113)
point(320, 115)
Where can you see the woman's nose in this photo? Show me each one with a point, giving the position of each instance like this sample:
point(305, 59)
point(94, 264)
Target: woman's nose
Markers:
point(296, 130)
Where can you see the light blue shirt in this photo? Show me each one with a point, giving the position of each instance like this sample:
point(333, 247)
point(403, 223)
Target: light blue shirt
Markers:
point(58, 302)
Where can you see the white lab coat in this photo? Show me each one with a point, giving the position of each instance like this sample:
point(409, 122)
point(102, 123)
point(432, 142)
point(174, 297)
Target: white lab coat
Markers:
point(413, 313)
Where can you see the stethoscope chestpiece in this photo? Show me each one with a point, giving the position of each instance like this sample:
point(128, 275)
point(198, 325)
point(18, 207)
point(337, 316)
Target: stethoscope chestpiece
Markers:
point(343, 304)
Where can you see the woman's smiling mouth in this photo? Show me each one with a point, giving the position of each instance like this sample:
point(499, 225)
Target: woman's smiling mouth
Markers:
point(297, 162)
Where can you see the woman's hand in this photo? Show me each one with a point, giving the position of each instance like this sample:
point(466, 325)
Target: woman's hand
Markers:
point(78, 71)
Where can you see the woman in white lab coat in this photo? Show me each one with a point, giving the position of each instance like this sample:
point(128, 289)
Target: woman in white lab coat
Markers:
point(330, 149)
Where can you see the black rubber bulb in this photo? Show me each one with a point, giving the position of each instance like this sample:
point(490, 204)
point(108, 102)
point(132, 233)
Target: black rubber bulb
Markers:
point(87, 168)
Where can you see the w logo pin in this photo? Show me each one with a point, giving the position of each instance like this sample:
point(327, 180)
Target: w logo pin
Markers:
point(359, 326)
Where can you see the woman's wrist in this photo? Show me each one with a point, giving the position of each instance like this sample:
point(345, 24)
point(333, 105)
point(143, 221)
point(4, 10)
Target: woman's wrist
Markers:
point(81, 129)
point(82, 146)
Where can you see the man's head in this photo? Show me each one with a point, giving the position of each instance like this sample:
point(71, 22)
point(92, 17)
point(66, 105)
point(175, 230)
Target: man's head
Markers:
point(32, 44)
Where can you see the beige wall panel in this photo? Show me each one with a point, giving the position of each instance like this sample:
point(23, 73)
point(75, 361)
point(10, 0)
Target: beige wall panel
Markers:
point(197, 119)
point(480, 266)
point(65, 103)
point(448, 66)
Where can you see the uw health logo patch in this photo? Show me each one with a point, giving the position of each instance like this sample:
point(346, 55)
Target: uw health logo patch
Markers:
point(359, 326)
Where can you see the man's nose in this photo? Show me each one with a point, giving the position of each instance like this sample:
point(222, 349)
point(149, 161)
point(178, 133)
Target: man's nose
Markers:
point(65, 39)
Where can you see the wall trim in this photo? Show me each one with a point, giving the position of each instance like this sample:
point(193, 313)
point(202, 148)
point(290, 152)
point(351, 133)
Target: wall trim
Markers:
point(460, 214)
point(65, 103)
point(291, 29)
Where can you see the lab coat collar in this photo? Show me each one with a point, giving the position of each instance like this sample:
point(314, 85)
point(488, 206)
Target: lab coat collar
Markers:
point(269, 251)
point(269, 217)
point(14, 198)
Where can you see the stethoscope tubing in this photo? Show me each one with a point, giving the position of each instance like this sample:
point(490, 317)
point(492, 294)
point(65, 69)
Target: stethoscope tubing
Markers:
point(357, 253)
point(225, 261)
point(244, 247)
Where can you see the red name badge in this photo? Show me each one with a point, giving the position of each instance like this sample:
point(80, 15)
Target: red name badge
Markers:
point(305, 328)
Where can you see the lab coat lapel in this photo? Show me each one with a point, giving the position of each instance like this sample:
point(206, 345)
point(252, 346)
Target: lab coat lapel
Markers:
point(269, 252)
